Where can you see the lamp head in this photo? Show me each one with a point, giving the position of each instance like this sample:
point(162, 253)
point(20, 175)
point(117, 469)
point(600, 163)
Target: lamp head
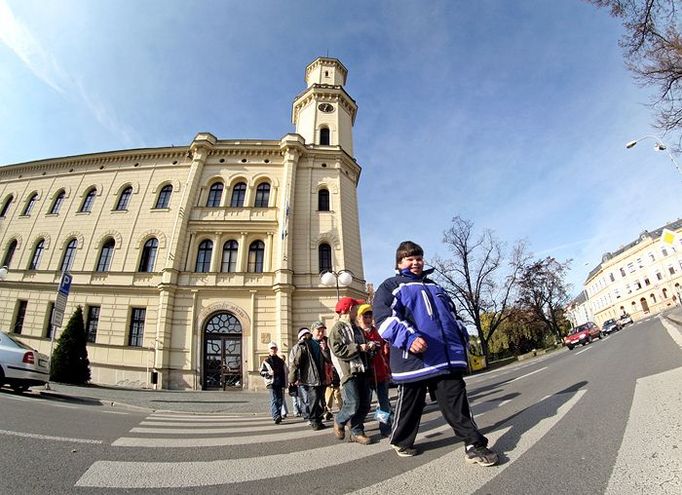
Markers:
point(3, 272)
point(631, 144)
point(345, 278)
point(328, 279)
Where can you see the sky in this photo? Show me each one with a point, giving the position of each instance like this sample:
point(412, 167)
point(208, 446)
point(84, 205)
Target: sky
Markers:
point(513, 115)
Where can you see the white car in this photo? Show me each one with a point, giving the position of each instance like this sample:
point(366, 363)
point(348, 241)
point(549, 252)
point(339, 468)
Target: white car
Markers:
point(20, 366)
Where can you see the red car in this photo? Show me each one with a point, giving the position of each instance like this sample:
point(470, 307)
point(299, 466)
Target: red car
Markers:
point(582, 334)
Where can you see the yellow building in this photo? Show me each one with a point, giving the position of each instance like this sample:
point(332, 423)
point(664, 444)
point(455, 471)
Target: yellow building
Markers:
point(642, 278)
point(189, 260)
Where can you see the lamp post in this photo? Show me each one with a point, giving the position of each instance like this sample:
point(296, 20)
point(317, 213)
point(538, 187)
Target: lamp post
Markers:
point(3, 273)
point(658, 146)
point(342, 278)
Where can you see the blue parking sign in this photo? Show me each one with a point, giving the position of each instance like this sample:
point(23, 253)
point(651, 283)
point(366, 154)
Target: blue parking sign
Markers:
point(65, 283)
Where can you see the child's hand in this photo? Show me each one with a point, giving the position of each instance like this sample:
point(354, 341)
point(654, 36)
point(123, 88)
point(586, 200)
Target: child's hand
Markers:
point(418, 346)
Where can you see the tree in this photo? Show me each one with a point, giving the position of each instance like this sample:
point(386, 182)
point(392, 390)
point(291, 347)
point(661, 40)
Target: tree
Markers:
point(478, 276)
point(653, 52)
point(70, 362)
point(543, 291)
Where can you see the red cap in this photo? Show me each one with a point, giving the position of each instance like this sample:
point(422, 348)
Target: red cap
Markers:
point(346, 303)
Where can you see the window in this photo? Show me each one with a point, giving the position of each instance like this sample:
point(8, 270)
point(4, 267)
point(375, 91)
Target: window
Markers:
point(6, 206)
point(148, 256)
point(49, 329)
point(92, 323)
point(9, 254)
point(57, 203)
point(659, 276)
point(262, 195)
point(652, 258)
point(646, 281)
point(21, 314)
point(69, 255)
point(136, 327)
point(88, 200)
point(256, 256)
point(324, 136)
point(664, 251)
point(164, 196)
point(203, 264)
point(124, 199)
point(215, 193)
point(105, 256)
point(229, 263)
point(37, 254)
point(323, 200)
point(638, 285)
point(325, 257)
point(238, 195)
point(671, 270)
point(611, 277)
point(30, 204)
point(622, 272)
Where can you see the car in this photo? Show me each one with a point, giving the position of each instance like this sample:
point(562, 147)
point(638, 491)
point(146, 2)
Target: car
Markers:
point(21, 367)
point(582, 335)
point(610, 326)
point(625, 319)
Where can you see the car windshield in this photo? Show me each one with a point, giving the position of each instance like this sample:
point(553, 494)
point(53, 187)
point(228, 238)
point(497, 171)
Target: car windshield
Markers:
point(579, 328)
point(610, 322)
point(8, 338)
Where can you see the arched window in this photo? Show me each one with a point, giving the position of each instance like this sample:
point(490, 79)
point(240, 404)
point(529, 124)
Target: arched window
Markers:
point(148, 255)
point(164, 196)
point(69, 255)
point(88, 200)
point(30, 204)
point(238, 195)
point(124, 199)
point(256, 256)
point(9, 254)
point(324, 135)
point(37, 254)
point(230, 249)
point(262, 195)
point(57, 203)
point(323, 200)
point(324, 252)
point(203, 264)
point(105, 256)
point(6, 205)
point(215, 193)
point(665, 293)
point(653, 298)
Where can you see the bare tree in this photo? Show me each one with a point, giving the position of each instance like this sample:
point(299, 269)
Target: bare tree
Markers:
point(543, 291)
point(653, 52)
point(478, 276)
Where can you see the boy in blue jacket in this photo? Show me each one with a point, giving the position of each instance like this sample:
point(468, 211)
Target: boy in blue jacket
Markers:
point(416, 316)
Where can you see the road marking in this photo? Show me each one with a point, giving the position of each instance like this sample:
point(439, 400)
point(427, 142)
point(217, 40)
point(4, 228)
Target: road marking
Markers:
point(117, 474)
point(584, 350)
point(196, 417)
point(202, 430)
point(504, 402)
point(650, 458)
point(48, 437)
point(527, 374)
point(450, 472)
point(672, 330)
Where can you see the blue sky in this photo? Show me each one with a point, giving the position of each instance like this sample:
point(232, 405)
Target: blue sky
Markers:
point(513, 115)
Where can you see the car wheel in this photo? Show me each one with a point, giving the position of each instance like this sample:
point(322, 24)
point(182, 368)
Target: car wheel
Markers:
point(19, 388)
point(2, 378)
point(601, 335)
point(570, 347)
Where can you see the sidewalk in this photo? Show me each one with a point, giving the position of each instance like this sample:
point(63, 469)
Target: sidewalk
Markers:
point(190, 401)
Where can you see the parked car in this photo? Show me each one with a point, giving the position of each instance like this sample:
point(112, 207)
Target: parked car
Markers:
point(20, 366)
point(625, 319)
point(610, 326)
point(582, 334)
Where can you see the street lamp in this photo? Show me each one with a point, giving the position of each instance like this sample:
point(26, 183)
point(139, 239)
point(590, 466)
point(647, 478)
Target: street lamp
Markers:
point(659, 146)
point(342, 278)
point(3, 273)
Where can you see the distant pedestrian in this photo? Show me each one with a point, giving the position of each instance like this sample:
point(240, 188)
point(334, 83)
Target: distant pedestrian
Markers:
point(350, 355)
point(307, 369)
point(273, 372)
point(429, 350)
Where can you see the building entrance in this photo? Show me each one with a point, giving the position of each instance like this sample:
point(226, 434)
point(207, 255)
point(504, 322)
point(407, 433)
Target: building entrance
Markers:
point(222, 352)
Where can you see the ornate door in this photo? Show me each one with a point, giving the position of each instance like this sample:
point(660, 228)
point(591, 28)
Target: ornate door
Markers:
point(222, 352)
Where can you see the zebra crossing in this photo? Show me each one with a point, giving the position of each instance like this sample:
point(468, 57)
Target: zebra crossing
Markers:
point(178, 431)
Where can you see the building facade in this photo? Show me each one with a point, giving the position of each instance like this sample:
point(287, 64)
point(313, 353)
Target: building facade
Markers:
point(642, 278)
point(188, 260)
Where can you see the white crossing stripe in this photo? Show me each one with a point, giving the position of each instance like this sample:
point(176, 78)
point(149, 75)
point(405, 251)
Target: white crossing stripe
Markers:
point(527, 374)
point(48, 437)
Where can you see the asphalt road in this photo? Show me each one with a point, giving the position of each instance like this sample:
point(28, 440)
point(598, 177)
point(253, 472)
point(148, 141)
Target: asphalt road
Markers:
point(603, 418)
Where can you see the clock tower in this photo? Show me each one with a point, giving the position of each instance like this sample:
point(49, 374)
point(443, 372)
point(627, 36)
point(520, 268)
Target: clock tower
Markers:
point(324, 113)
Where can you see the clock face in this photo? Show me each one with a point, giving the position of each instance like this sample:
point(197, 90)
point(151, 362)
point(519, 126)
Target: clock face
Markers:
point(326, 107)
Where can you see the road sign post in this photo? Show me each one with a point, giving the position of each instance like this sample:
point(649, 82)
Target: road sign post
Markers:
point(57, 317)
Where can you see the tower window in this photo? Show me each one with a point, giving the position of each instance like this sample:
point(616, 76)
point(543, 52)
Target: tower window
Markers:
point(325, 257)
point(324, 136)
point(323, 200)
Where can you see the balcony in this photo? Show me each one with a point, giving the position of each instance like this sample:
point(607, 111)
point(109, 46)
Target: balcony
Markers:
point(223, 214)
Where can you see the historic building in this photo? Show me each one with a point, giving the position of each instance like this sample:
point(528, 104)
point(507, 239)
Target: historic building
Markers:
point(189, 260)
point(641, 278)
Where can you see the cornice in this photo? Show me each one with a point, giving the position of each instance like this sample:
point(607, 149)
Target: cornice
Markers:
point(326, 61)
point(324, 92)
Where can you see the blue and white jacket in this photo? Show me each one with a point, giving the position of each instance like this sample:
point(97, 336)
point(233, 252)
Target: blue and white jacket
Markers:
point(406, 307)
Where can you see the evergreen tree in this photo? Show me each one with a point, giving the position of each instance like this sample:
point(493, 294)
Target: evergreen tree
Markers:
point(70, 363)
